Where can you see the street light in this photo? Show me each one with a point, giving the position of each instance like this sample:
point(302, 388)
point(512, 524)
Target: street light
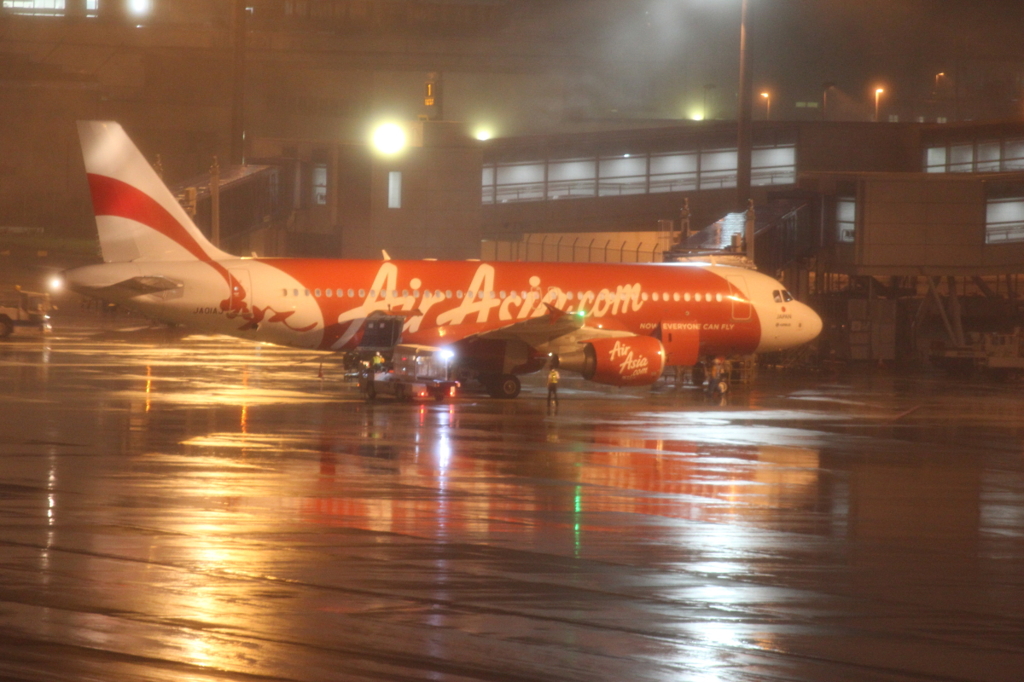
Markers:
point(878, 93)
point(937, 77)
point(389, 138)
point(767, 105)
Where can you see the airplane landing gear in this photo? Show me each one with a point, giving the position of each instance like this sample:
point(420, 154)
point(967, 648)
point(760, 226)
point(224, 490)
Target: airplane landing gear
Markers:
point(504, 386)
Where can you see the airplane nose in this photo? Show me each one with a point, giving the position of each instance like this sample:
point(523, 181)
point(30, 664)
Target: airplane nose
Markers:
point(811, 325)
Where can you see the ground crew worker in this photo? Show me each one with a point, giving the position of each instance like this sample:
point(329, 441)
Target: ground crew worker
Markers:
point(719, 382)
point(553, 388)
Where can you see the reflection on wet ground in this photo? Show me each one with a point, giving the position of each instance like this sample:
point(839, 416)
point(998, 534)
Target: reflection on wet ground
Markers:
point(204, 508)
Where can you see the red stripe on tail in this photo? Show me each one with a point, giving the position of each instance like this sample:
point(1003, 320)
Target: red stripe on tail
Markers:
point(112, 197)
point(116, 198)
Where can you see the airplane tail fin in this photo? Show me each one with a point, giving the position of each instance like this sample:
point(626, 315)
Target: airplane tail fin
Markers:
point(137, 217)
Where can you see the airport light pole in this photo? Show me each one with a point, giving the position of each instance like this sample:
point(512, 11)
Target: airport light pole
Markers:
point(825, 87)
point(767, 105)
point(744, 134)
point(215, 203)
point(878, 94)
point(708, 87)
point(238, 19)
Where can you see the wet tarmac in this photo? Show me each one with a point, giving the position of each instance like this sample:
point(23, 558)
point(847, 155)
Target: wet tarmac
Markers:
point(207, 509)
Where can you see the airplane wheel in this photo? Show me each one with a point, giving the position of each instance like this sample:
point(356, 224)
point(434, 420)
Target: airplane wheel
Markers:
point(506, 386)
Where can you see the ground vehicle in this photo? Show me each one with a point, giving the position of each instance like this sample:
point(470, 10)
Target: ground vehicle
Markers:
point(25, 309)
point(998, 355)
point(415, 373)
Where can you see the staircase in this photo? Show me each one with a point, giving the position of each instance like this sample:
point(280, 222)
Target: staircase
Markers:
point(785, 233)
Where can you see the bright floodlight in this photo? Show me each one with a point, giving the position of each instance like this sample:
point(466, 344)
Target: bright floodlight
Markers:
point(56, 283)
point(483, 134)
point(389, 138)
point(139, 7)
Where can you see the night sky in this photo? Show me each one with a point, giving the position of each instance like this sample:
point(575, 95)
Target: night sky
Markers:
point(797, 45)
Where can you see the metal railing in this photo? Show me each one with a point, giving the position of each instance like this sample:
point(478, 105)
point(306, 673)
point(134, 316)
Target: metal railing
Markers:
point(562, 249)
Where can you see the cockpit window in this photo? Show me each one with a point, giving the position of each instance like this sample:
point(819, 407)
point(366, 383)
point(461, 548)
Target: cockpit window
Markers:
point(786, 296)
point(777, 296)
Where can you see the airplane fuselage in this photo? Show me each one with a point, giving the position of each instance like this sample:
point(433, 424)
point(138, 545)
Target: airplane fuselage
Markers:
point(323, 304)
point(616, 324)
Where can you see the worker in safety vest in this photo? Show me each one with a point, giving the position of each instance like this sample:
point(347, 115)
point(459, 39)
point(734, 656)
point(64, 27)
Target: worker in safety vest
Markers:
point(553, 388)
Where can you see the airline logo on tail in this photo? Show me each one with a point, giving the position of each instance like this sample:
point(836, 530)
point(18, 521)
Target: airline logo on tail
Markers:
point(138, 218)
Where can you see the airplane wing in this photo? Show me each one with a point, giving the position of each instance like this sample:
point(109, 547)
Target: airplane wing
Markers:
point(538, 331)
point(599, 353)
point(557, 330)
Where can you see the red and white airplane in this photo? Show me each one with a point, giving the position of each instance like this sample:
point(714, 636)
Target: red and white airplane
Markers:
point(618, 324)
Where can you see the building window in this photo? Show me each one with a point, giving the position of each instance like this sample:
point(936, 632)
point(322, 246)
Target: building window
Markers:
point(935, 160)
point(619, 175)
point(44, 8)
point(773, 166)
point(488, 184)
point(989, 156)
point(395, 189)
point(961, 158)
point(48, 8)
point(673, 172)
point(519, 182)
point(846, 219)
point(631, 174)
point(320, 184)
point(718, 169)
point(1013, 155)
point(1004, 220)
point(572, 178)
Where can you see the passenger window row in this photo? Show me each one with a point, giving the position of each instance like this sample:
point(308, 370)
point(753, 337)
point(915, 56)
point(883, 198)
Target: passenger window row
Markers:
point(438, 294)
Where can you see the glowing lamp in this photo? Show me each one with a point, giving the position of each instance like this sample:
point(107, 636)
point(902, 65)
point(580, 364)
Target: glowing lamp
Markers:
point(389, 138)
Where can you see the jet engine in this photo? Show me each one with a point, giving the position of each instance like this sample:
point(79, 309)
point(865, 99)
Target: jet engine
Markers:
point(626, 361)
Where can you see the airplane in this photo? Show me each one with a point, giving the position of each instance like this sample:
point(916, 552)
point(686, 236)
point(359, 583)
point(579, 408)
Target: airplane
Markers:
point(616, 324)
